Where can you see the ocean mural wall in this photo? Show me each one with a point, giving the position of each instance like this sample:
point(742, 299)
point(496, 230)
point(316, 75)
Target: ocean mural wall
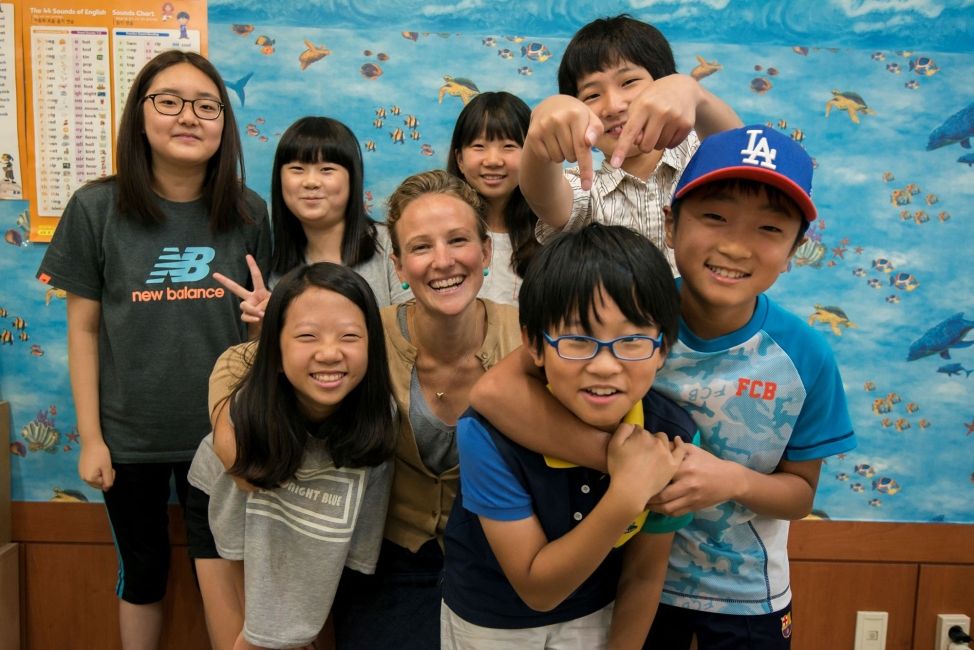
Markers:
point(878, 93)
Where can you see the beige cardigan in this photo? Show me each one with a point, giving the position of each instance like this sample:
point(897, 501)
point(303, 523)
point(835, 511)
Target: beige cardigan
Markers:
point(421, 501)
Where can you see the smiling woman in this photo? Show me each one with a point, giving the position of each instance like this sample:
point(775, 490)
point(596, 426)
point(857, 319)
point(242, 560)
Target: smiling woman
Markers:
point(439, 344)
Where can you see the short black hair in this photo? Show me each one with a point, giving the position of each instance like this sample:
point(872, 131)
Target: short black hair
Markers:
point(778, 199)
point(607, 41)
point(564, 280)
point(271, 432)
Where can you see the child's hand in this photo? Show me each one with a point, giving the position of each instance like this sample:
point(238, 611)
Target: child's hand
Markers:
point(565, 129)
point(252, 303)
point(660, 117)
point(703, 480)
point(642, 463)
point(95, 466)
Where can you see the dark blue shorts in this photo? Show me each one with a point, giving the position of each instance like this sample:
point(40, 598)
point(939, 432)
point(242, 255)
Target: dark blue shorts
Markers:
point(138, 511)
point(674, 627)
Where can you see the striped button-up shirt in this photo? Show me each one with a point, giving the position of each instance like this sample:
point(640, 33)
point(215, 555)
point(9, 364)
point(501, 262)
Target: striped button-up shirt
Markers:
point(620, 199)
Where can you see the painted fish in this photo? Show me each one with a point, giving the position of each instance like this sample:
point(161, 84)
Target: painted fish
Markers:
point(238, 87)
point(959, 127)
point(312, 53)
point(411, 122)
point(370, 71)
point(398, 136)
point(68, 496)
point(942, 337)
point(952, 369)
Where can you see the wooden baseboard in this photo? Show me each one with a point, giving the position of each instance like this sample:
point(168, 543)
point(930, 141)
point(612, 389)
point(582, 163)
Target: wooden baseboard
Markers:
point(834, 541)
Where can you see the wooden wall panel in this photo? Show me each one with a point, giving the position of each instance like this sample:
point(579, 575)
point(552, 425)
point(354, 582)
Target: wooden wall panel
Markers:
point(912, 571)
point(943, 589)
point(71, 603)
point(827, 596)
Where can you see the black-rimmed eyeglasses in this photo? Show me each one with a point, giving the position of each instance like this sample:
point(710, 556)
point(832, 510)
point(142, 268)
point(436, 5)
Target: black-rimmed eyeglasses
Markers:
point(576, 347)
point(167, 104)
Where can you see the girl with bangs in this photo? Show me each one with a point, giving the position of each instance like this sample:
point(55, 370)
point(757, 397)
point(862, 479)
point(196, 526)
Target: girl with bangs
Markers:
point(486, 152)
point(318, 214)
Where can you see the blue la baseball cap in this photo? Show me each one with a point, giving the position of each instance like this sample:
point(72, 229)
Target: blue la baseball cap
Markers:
point(755, 152)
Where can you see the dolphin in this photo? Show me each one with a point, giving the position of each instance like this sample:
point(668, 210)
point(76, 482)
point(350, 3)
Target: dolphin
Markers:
point(967, 158)
point(238, 86)
point(940, 338)
point(959, 127)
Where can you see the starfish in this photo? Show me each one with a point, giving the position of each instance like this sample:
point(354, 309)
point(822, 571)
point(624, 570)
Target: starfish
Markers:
point(970, 427)
point(839, 251)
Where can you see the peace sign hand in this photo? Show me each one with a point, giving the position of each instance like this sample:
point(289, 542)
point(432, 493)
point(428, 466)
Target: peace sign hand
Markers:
point(252, 303)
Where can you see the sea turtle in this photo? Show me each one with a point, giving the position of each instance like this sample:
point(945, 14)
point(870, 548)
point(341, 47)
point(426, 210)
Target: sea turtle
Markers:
point(848, 101)
point(458, 87)
point(833, 316)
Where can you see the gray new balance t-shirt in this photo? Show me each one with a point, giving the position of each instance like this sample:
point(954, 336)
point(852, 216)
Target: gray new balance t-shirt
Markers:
point(164, 319)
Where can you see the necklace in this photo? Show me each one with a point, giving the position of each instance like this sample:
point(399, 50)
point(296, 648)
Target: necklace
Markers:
point(456, 365)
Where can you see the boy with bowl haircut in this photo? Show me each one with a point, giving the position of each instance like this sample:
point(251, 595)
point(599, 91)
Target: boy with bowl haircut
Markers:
point(762, 387)
point(619, 92)
point(531, 544)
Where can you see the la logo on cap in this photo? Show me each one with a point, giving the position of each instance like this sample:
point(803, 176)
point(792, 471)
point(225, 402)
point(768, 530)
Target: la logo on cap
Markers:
point(759, 149)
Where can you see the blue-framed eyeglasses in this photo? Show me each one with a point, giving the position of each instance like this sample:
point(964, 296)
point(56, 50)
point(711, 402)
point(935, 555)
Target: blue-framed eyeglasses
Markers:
point(576, 347)
point(168, 104)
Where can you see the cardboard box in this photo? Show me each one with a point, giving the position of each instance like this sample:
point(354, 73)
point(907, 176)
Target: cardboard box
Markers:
point(5, 424)
point(10, 597)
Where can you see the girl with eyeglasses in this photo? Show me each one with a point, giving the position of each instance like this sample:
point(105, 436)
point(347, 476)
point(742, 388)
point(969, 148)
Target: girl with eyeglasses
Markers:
point(136, 253)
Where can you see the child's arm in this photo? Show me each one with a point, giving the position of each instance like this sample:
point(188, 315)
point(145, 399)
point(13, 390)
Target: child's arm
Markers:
point(252, 303)
point(544, 573)
point(704, 480)
point(664, 113)
point(84, 321)
point(562, 129)
point(643, 572)
point(513, 396)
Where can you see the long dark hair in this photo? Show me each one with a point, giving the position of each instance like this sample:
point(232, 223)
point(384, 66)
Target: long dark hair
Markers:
point(224, 180)
point(271, 432)
point(314, 140)
point(500, 116)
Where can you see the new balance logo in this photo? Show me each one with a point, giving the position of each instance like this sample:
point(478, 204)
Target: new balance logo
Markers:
point(759, 148)
point(189, 266)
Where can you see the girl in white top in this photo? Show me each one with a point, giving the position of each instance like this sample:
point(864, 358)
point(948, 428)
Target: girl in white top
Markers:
point(318, 214)
point(486, 152)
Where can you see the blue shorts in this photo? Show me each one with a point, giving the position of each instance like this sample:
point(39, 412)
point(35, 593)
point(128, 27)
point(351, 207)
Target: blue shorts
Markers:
point(674, 627)
point(138, 512)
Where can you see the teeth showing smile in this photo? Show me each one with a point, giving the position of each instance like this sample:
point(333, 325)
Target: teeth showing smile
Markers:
point(602, 392)
point(327, 377)
point(727, 273)
point(447, 283)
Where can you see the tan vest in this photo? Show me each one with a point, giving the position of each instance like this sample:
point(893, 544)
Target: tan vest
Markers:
point(421, 501)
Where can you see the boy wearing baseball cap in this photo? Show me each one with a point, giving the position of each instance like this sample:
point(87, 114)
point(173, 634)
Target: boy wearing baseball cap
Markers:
point(761, 385)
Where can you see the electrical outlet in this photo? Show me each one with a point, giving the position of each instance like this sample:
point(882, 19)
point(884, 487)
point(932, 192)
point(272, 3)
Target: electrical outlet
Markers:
point(871, 630)
point(947, 621)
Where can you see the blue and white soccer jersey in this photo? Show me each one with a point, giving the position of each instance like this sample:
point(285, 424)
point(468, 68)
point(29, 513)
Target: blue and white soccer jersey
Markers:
point(767, 392)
